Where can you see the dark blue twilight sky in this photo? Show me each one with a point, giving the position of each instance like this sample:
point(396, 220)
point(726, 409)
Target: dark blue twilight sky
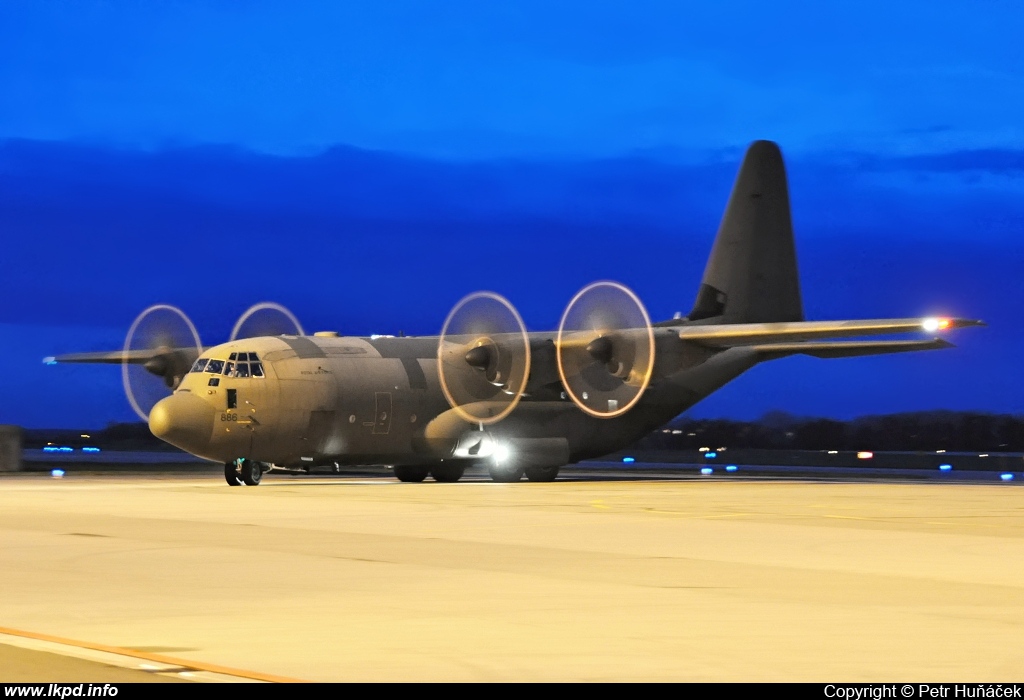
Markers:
point(369, 163)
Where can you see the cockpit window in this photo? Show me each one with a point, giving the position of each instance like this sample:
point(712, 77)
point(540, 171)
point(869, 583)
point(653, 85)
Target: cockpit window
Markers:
point(242, 370)
point(233, 356)
point(215, 366)
point(256, 368)
point(229, 369)
point(199, 365)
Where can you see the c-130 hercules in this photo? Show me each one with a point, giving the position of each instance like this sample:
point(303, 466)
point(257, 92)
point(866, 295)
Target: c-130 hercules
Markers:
point(486, 392)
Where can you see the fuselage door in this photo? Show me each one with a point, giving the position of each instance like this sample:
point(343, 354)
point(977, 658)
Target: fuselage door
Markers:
point(382, 419)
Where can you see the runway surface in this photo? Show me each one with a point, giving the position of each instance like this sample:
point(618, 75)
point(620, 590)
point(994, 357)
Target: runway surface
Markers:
point(667, 578)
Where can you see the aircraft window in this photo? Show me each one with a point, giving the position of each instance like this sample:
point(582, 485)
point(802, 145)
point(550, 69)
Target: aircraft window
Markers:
point(215, 366)
point(233, 356)
point(214, 381)
point(242, 370)
point(199, 366)
point(257, 369)
point(229, 369)
point(253, 358)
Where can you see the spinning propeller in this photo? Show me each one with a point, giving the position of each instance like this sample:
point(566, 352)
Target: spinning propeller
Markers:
point(483, 358)
point(162, 344)
point(605, 349)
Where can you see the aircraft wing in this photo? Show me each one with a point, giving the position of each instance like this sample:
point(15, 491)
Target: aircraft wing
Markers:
point(134, 357)
point(848, 348)
point(169, 363)
point(736, 334)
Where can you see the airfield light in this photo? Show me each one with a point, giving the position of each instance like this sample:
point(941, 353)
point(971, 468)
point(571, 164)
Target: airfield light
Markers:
point(706, 470)
point(945, 467)
point(704, 449)
point(57, 473)
point(710, 455)
point(833, 452)
point(940, 452)
point(983, 454)
point(90, 449)
point(1006, 477)
point(865, 455)
point(731, 468)
point(628, 460)
point(86, 436)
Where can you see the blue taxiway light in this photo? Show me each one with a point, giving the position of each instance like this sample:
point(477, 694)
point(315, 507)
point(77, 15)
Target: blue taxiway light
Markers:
point(731, 468)
point(57, 473)
point(710, 455)
point(628, 460)
point(945, 467)
point(1006, 477)
point(90, 449)
point(706, 470)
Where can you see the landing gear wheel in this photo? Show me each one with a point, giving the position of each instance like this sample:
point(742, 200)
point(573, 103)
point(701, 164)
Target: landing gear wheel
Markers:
point(447, 473)
point(541, 473)
point(231, 474)
point(252, 472)
point(505, 474)
point(411, 473)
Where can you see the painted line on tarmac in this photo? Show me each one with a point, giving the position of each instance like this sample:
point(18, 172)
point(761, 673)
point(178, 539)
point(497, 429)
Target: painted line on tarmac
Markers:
point(182, 667)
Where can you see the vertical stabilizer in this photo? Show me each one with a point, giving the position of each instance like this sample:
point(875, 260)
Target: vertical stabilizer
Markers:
point(751, 276)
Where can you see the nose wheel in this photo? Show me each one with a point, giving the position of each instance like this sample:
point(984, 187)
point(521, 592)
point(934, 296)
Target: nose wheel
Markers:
point(243, 471)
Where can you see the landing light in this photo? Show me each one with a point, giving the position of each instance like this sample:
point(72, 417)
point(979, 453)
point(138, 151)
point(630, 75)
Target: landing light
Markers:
point(501, 453)
point(936, 324)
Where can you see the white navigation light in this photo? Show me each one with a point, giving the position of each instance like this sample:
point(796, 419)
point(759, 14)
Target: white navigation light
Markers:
point(935, 324)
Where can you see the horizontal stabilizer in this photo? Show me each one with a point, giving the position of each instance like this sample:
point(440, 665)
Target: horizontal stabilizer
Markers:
point(849, 349)
point(733, 335)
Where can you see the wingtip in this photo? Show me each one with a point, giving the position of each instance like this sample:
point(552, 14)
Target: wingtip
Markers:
point(50, 360)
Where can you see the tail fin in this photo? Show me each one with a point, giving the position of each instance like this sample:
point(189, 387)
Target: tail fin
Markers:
point(751, 276)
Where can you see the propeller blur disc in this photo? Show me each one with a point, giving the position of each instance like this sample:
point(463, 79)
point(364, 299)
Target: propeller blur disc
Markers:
point(483, 358)
point(266, 318)
point(605, 349)
point(149, 376)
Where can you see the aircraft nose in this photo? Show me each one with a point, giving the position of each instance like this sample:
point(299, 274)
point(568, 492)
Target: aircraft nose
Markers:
point(184, 420)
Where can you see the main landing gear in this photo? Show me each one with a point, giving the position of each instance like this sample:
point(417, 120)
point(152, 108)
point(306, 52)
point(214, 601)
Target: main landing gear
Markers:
point(448, 472)
point(243, 471)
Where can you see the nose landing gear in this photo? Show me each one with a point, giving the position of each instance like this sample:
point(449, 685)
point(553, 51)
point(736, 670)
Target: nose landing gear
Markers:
point(243, 471)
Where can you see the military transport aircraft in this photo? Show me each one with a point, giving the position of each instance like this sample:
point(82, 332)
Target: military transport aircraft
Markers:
point(487, 392)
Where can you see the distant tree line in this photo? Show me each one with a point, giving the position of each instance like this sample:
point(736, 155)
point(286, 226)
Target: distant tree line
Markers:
point(924, 431)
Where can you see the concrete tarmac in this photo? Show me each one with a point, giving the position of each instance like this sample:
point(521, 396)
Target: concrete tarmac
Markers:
point(369, 579)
